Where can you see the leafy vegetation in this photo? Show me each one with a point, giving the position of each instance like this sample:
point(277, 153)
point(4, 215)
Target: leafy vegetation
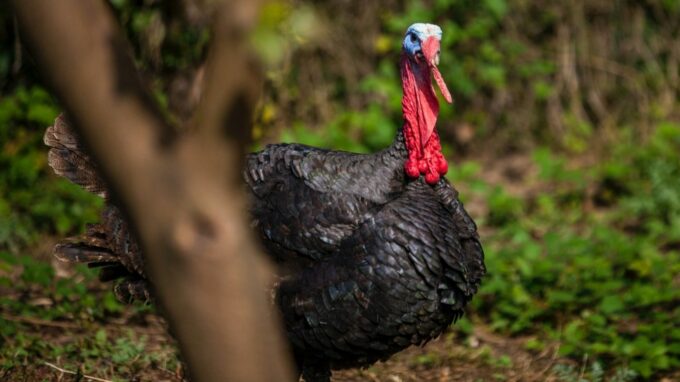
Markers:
point(601, 280)
point(582, 234)
point(32, 202)
point(75, 318)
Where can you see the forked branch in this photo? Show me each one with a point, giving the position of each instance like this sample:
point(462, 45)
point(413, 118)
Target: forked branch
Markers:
point(180, 191)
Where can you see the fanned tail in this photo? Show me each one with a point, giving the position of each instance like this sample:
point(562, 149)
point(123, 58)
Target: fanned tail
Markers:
point(108, 245)
point(100, 248)
point(92, 247)
point(68, 158)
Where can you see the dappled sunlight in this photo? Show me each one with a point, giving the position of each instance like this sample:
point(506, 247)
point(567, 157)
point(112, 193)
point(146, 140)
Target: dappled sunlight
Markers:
point(563, 141)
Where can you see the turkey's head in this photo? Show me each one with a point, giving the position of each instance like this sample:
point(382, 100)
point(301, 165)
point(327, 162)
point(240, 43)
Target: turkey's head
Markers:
point(421, 46)
point(420, 57)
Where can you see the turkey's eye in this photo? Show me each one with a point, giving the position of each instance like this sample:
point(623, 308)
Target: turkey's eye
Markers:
point(413, 38)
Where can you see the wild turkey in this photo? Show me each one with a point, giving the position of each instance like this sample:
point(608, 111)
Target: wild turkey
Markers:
point(376, 251)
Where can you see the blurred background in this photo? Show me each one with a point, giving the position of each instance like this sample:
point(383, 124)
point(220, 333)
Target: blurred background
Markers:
point(564, 140)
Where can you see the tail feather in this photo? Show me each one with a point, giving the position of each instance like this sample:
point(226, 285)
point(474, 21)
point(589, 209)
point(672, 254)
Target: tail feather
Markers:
point(78, 252)
point(110, 272)
point(92, 247)
point(98, 251)
point(122, 241)
point(68, 158)
point(132, 289)
point(109, 246)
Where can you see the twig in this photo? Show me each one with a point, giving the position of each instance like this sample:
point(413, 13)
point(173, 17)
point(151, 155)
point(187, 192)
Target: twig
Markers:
point(552, 361)
point(74, 373)
point(583, 367)
point(16, 65)
point(612, 67)
point(39, 322)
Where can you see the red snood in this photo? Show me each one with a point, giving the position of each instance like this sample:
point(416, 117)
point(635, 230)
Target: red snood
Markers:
point(420, 107)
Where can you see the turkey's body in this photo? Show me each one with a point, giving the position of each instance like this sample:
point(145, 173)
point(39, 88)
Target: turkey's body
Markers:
point(376, 253)
point(379, 262)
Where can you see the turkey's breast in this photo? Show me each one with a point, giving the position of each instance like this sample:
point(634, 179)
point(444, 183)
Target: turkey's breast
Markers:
point(399, 279)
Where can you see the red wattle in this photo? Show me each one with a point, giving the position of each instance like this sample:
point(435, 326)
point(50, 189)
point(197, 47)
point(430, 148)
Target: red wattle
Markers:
point(420, 108)
point(443, 166)
point(411, 168)
point(422, 166)
point(432, 178)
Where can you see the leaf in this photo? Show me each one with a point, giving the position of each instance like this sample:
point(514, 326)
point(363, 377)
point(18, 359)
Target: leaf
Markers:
point(497, 7)
point(611, 304)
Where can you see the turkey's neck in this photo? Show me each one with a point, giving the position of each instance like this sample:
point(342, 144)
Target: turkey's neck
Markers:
point(418, 136)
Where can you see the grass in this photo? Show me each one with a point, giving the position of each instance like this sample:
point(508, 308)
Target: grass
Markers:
point(73, 322)
point(583, 253)
point(582, 243)
point(589, 256)
point(582, 256)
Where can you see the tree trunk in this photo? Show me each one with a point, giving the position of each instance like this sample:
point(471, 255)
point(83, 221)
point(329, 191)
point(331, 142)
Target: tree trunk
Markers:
point(180, 190)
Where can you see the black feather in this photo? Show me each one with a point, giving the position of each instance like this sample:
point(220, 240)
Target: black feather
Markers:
point(371, 262)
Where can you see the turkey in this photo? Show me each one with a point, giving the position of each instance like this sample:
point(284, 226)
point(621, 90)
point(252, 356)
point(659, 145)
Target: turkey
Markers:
point(376, 252)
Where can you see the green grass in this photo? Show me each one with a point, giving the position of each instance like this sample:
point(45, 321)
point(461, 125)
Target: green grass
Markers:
point(33, 202)
point(600, 280)
point(586, 256)
point(591, 257)
point(74, 323)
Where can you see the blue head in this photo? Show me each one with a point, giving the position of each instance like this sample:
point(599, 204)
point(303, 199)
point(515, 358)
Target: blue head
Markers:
point(421, 46)
point(422, 42)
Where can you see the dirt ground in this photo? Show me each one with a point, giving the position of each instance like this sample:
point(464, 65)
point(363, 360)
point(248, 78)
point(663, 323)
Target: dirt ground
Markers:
point(479, 356)
point(482, 356)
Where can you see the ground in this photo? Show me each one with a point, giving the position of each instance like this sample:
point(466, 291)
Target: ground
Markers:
point(480, 357)
point(132, 343)
point(59, 323)
point(483, 356)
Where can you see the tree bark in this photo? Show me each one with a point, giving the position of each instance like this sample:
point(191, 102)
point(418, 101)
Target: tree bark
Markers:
point(181, 190)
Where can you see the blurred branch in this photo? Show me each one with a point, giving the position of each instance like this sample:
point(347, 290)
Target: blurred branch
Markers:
point(231, 78)
point(181, 192)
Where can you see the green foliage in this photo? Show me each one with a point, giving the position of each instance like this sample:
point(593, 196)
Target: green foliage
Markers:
point(569, 373)
point(602, 284)
point(32, 200)
point(60, 298)
point(365, 131)
point(158, 43)
point(587, 256)
point(66, 309)
point(523, 73)
point(480, 65)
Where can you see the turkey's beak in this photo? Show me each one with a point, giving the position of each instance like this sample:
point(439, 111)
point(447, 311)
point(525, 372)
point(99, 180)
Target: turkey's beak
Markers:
point(430, 49)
